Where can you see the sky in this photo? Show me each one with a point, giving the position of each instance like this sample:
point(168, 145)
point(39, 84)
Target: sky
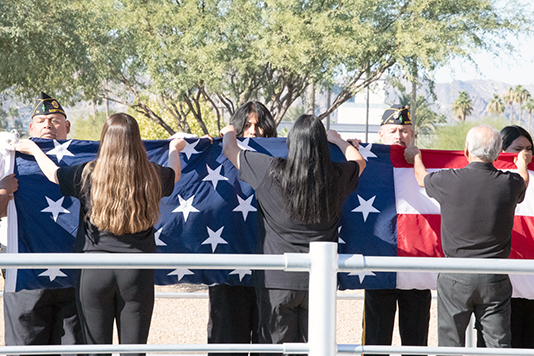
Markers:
point(516, 69)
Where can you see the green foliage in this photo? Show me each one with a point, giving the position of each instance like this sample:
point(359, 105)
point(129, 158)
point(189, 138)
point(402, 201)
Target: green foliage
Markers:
point(496, 106)
point(294, 113)
point(43, 47)
point(87, 127)
point(529, 106)
point(178, 54)
point(462, 107)
point(521, 96)
point(150, 130)
point(452, 137)
point(426, 119)
point(283, 132)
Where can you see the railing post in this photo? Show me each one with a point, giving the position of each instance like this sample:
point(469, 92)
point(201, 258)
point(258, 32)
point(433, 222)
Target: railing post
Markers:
point(322, 298)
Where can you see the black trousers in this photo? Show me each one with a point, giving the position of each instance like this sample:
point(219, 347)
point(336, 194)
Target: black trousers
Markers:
point(41, 317)
point(233, 316)
point(124, 295)
point(379, 316)
point(283, 316)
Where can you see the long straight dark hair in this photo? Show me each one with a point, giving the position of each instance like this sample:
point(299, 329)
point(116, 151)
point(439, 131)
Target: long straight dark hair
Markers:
point(308, 179)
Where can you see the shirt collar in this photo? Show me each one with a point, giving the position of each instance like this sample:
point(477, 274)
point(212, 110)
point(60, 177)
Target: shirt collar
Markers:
point(481, 166)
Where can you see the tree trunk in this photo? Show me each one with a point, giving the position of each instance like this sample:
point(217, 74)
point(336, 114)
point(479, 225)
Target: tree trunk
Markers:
point(311, 99)
point(94, 112)
point(511, 114)
point(413, 106)
point(106, 98)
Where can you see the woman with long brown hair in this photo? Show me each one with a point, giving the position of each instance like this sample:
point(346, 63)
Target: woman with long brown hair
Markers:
point(119, 195)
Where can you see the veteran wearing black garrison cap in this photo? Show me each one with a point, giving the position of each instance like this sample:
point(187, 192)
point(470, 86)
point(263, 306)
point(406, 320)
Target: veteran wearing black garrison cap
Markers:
point(43, 316)
point(396, 126)
point(49, 119)
point(380, 305)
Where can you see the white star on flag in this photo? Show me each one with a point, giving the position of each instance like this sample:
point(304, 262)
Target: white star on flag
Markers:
point(181, 272)
point(366, 207)
point(245, 206)
point(244, 145)
point(362, 275)
point(339, 239)
point(157, 239)
point(52, 273)
point(55, 208)
point(186, 207)
point(214, 175)
point(242, 273)
point(60, 150)
point(214, 239)
point(189, 149)
point(366, 151)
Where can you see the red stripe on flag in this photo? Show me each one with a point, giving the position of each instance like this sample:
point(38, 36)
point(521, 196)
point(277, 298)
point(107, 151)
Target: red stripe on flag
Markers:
point(438, 159)
point(522, 238)
point(418, 235)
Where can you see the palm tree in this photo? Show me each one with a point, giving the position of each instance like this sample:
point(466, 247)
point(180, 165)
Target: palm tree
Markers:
point(529, 105)
point(521, 95)
point(509, 98)
point(462, 107)
point(426, 119)
point(496, 106)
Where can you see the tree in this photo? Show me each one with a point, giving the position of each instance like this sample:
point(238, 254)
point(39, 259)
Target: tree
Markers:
point(509, 97)
point(496, 106)
point(426, 120)
point(462, 107)
point(521, 95)
point(452, 137)
point(89, 127)
point(529, 106)
point(42, 49)
point(181, 53)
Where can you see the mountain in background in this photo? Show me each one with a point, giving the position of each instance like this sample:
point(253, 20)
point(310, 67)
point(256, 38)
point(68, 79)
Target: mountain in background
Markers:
point(481, 93)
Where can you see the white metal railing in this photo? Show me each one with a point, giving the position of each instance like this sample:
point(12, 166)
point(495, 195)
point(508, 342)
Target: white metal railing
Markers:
point(323, 264)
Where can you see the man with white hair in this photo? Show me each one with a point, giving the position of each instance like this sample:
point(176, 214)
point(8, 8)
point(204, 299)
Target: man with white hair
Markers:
point(477, 215)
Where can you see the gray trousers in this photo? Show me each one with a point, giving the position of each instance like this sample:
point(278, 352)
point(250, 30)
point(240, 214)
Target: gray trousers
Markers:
point(486, 295)
point(41, 317)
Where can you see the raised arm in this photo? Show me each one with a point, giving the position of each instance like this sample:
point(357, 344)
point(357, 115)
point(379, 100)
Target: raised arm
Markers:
point(350, 152)
point(48, 167)
point(412, 154)
point(230, 148)
point(521, 161)
point(175, 147)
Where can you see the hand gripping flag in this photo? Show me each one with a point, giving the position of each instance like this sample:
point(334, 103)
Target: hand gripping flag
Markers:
point(211, 211)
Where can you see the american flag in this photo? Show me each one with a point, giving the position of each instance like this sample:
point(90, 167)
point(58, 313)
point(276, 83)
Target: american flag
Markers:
point(212, 211)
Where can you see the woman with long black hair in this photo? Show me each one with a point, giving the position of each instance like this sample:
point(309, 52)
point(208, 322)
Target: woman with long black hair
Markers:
point(300, 200)
point(514, 140)
point(119, 192)
point(233, 312)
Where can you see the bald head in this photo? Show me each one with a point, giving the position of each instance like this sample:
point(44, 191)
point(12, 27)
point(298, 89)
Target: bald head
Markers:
point(484, 143)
